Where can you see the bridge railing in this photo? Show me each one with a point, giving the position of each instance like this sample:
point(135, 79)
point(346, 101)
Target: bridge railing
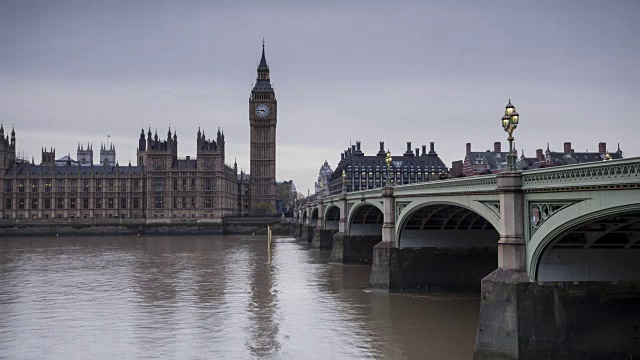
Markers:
point(601, 174)
point(480, 183)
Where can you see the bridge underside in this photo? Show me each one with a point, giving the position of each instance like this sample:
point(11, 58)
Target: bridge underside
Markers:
point(447, 226)
point(332, 219)
point(606, 249)
point(441, 247)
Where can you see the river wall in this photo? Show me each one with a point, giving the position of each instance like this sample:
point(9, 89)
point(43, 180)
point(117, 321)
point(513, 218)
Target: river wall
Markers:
point(79, 227)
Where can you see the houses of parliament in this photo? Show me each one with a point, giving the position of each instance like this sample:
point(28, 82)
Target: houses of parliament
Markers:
point(160, 186)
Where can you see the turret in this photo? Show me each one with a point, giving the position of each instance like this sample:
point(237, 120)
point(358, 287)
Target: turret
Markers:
point(142, 143)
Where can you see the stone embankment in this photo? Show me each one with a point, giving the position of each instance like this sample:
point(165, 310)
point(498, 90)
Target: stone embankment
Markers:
point(89, 227)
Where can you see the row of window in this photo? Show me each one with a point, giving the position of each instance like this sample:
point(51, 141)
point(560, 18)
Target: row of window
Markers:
point(48, 203)
point(182, 202)
point(33, 185)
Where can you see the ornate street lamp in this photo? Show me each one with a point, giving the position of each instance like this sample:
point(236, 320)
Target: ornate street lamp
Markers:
point(510, 123)
point(388, 161)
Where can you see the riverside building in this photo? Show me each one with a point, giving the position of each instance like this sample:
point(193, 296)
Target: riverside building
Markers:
point(161, 186)
point(369, 172)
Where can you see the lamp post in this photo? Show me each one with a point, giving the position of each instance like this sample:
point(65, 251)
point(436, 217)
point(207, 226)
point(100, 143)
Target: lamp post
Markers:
point(344, 181)
point(388, 161)
point(510, 123)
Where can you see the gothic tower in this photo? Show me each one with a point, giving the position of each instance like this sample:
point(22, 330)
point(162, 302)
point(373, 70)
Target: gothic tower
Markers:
point(262, 121)
point(107, 154)
point(7, 149)
point(85, 156)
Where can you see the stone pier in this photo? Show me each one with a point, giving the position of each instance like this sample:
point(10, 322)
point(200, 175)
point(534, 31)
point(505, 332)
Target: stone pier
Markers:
point(323, 239)
point(431, 269)
point(353, 249)
point(520, 319)
point(306, 233)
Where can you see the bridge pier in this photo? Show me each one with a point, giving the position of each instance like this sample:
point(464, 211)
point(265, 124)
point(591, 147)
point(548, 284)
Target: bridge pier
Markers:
point(306, 233)
point(520, 319)
point(323, 239)
point(384, 259)
point(354, 249)
point(430, 269)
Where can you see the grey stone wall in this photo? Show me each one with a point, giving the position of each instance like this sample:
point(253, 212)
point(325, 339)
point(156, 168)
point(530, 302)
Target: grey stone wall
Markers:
point(438, 269)
point(558, 320)
point(323, 239)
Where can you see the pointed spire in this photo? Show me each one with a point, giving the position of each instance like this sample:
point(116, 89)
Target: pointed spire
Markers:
point(199, 133)
point(263, 60)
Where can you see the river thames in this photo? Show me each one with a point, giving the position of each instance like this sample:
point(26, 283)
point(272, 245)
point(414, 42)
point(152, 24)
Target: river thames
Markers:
point(212, 297)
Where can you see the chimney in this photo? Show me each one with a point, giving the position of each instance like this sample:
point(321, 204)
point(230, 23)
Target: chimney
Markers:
point(497, 147)
point(358, 146)
point(432, 148)
point(468, 148)
point(602, 148)
point(381, 151)
point(341, 156)
point(567, 148)
point(424, 150)
point(353, 149)
point(539, 155)
point(417, 151)
point(408, 152)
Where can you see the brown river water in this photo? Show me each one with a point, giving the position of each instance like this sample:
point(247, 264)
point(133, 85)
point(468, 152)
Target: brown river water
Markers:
point(212, 297)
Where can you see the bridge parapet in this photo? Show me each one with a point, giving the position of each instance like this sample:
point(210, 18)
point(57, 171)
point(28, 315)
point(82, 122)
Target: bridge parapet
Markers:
point(474, 184)
point(597, 175)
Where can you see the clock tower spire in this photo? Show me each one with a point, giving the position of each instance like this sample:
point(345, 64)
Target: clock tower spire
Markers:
point(262, 122)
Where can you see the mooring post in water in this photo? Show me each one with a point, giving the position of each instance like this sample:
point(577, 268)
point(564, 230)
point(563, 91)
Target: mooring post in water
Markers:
point(269, 243)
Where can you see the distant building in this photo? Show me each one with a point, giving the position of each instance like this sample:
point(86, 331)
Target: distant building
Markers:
point(492, 162)
point(369, 172)
point(85, 156)
point(456, 169)
point(160, 186)
point(484, 162)
point(324, 175)
point(569, 156)
point(286, 196)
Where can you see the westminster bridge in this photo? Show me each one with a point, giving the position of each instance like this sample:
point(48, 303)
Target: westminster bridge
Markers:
point(555, 252)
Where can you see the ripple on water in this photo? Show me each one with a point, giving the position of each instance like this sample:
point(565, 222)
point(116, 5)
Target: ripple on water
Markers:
point(216, 297)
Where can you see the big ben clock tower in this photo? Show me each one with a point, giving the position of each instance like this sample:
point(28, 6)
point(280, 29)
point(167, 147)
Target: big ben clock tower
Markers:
point(262, 121)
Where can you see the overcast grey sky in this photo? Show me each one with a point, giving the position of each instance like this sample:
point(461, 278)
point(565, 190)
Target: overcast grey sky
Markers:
point(420, 71)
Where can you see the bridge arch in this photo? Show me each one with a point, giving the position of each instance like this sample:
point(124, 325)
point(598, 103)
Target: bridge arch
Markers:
point(580, 243)
point(366, 218)
point(447, 224)
point(332, 217)
point(314, 217)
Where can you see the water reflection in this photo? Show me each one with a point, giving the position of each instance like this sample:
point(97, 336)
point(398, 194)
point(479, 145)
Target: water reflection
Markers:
point(212, 297)
point(263, 303)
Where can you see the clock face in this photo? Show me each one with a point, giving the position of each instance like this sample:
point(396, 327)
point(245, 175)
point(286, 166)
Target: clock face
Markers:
point(262, 110)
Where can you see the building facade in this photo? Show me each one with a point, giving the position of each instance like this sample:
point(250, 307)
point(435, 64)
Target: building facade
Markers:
point(262, 121)
point(370, 172)
point(324, 177)
point(492, 162)
point(161, 186)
